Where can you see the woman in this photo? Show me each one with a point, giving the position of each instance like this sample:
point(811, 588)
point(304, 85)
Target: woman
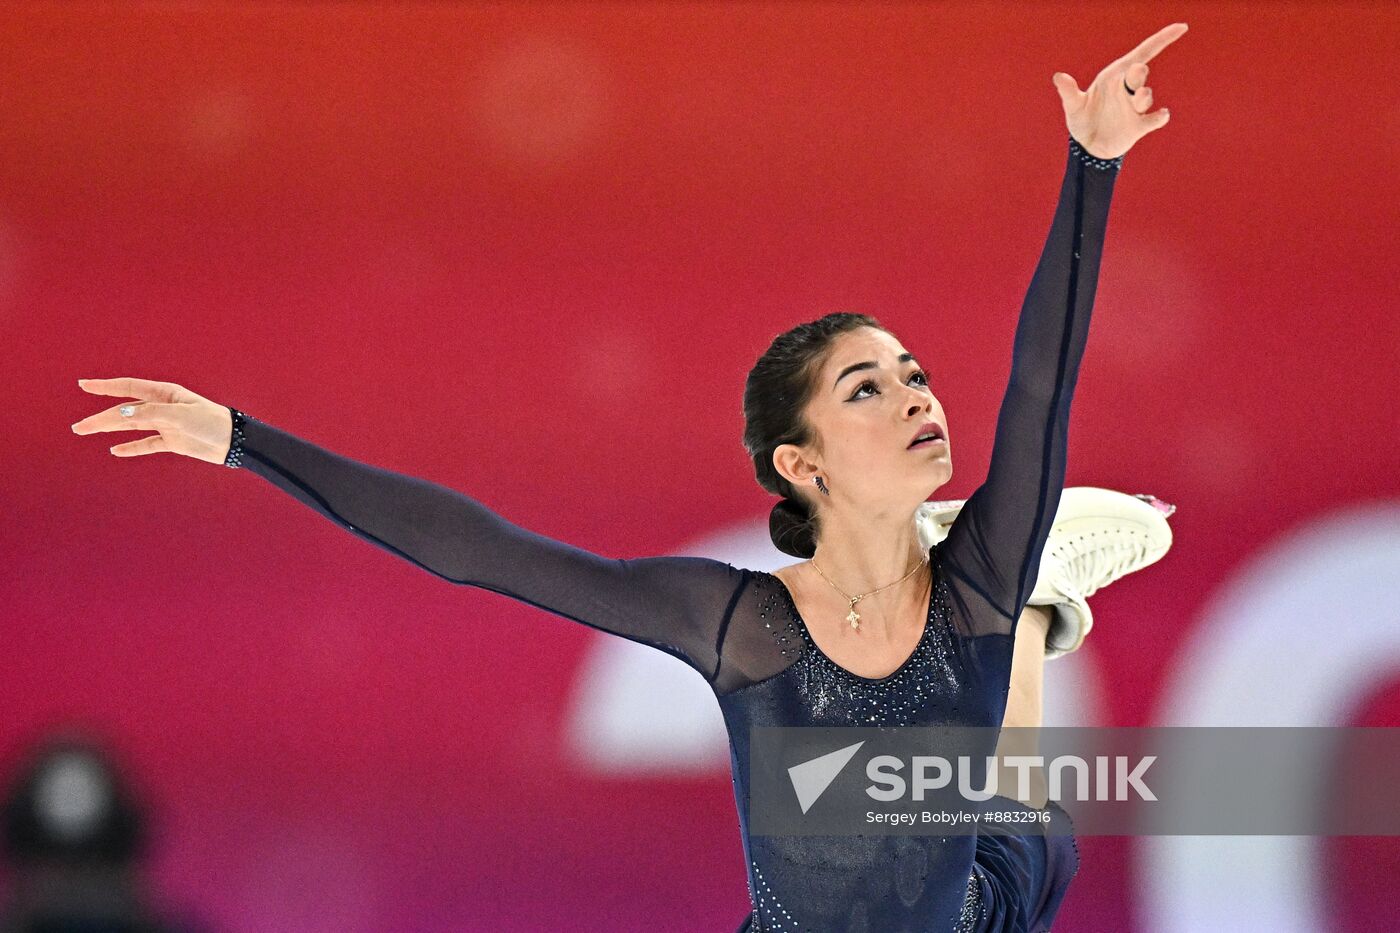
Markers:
point(873, 629)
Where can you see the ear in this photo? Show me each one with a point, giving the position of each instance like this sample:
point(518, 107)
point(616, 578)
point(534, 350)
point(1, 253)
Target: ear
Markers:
point(792, 464)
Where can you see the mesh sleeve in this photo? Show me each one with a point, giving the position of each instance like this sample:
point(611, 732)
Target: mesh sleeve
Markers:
point(993, 548)
point(676, 604)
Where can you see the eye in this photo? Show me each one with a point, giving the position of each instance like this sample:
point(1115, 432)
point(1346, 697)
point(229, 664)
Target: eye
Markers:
point(918, 373)
point(861, 388)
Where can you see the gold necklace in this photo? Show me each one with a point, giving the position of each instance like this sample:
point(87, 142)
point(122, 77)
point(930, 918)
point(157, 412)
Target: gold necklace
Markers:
point(853, 617)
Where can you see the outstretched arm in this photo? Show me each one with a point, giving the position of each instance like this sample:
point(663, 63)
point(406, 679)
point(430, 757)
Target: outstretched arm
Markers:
point(677, 604)
point(995, 544)
point(993, 549)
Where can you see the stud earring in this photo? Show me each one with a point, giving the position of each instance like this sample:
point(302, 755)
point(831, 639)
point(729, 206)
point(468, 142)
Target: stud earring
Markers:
point(821, 485)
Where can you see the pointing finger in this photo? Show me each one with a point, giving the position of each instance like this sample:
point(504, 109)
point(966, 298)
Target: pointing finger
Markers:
point(1155, 43)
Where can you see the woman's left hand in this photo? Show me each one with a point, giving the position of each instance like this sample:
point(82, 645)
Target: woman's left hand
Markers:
point(1105, 119)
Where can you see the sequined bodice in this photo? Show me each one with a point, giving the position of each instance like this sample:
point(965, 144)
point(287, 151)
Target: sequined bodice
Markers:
point(927, 686)
point(866, 881)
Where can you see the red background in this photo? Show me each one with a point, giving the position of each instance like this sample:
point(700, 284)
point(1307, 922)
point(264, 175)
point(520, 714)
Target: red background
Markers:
point(530, 252)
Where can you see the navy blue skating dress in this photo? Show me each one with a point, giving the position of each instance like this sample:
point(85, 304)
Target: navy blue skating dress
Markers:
point(740, 630)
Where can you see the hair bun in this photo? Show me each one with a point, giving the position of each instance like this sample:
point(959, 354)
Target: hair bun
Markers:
point(790, 527)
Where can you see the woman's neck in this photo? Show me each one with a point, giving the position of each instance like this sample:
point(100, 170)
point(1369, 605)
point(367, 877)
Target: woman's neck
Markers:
point(860, 553)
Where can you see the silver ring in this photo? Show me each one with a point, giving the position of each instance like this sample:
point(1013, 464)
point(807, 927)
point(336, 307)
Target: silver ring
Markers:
point(128, 410)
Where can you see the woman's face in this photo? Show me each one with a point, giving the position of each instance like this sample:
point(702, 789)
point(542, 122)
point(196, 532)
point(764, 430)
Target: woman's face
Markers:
point(870, 400)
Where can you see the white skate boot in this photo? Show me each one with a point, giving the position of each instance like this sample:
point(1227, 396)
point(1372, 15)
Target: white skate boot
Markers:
point(1098, 536)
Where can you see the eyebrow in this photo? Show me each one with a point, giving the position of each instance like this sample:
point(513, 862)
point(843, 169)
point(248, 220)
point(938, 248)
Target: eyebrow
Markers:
point(870, 364)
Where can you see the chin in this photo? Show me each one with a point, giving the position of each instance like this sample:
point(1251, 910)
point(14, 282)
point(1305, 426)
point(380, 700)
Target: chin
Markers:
point(943, 470)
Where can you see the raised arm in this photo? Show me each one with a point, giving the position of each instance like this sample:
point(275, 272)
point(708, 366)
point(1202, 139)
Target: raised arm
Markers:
point(993, 549)
point(677, 604)
point(994, 546)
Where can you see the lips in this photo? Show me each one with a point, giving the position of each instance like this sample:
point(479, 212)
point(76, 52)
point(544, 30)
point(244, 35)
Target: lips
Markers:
point(932, 427)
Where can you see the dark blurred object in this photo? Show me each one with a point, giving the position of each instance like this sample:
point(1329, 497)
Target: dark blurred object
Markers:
point(74, 838)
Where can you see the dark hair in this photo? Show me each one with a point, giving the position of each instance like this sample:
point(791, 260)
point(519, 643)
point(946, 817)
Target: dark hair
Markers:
point(775, 394)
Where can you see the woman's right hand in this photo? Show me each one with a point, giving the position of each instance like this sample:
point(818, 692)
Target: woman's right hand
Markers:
point(185, 423)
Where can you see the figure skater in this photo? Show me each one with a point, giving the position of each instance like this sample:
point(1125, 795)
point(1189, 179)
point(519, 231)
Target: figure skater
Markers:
point(893, 617)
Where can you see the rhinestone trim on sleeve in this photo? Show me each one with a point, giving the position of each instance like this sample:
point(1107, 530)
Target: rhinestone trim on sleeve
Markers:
point(234, 458)
point(1093, 161)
